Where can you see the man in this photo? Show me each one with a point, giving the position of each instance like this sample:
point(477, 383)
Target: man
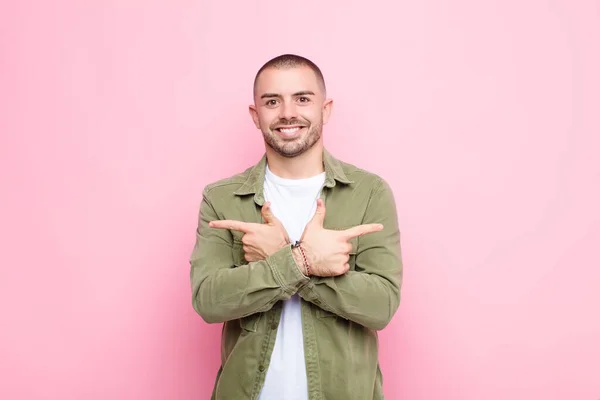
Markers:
point(299, 256)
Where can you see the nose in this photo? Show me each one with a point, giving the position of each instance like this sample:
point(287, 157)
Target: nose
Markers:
point(288, 110)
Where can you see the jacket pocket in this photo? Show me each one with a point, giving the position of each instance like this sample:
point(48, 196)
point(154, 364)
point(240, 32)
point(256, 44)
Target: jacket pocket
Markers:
point(325, 314)
point(352, 261)
point(352, 254)
point(237, 252)
point(250, 323)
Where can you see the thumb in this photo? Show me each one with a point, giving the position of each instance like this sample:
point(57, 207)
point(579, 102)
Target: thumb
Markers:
point(319, 217)
point(267, 213)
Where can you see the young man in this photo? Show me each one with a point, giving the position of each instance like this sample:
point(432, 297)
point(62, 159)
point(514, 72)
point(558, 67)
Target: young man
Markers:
point(299, 256)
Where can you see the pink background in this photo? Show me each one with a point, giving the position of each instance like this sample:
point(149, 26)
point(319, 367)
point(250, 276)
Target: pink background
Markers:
point(482, 115)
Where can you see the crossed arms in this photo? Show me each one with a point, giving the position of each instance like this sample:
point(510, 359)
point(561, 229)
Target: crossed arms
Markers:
point(368, 295)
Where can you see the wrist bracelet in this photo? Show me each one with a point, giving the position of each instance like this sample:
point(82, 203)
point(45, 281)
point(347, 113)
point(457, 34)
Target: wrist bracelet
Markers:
point(306, 266)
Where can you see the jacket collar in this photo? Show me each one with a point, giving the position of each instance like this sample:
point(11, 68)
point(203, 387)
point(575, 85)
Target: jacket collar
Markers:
point(334, 172)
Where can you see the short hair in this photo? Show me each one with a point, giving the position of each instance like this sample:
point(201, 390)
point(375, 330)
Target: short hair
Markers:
point(286, 61)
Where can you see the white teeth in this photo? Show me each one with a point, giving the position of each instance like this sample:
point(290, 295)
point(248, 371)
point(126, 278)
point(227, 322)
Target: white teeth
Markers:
point(289, 130)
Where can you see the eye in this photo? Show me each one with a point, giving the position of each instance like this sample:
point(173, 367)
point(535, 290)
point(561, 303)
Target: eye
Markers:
point(303, 99)
point(271, 102)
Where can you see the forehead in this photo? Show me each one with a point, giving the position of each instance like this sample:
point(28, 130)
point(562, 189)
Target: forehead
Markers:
point(287, 81)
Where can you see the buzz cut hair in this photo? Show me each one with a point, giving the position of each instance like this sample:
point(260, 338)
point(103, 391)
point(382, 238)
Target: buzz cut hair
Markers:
point(286, 61)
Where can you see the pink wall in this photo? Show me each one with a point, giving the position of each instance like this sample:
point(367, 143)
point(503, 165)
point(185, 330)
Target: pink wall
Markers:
point(483, 116)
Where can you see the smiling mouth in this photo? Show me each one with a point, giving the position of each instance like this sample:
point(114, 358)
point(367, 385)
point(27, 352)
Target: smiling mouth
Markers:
point(289, 130)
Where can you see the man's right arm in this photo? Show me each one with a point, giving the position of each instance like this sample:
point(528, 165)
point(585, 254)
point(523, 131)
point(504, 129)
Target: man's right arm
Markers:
point(222, 291)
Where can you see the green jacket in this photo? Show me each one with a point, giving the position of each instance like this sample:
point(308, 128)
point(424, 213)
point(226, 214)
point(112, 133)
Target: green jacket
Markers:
point(340, 314)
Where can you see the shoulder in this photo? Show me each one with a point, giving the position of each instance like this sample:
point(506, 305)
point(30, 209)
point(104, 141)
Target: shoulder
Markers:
point(227, 185)
point(363, 178)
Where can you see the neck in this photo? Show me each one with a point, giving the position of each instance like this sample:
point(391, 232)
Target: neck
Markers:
point(305, 165)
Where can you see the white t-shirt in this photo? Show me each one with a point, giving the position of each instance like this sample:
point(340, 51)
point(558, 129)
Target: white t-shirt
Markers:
point(293, 202)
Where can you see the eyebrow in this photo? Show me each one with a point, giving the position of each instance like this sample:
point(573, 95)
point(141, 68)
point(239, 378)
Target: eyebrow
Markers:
point(302, 93)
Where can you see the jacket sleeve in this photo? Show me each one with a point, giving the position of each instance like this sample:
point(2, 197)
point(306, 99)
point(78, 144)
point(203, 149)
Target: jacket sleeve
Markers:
point(370, 294)
point(222, 291)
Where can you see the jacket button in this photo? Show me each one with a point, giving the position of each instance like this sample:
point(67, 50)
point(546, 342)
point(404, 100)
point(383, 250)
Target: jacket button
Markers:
point(261, 368)
point(274, 325)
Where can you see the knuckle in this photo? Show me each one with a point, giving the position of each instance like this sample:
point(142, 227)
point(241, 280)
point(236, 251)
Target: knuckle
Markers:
point(247, 257)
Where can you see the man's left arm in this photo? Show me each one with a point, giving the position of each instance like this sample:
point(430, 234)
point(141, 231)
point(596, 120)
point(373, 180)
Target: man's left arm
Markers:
point(370, 294)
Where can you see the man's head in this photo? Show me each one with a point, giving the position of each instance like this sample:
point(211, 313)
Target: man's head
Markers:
point(290, 105)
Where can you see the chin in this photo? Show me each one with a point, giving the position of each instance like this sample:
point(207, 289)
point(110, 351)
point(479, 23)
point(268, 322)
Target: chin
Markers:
point(290, 153)
point(292, 147)
point(294, 151)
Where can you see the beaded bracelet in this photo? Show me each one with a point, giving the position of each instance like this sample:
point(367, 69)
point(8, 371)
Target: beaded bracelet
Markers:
point(306, 266)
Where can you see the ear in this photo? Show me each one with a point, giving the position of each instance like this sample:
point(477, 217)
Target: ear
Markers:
point(327, 106)
point(254, 115)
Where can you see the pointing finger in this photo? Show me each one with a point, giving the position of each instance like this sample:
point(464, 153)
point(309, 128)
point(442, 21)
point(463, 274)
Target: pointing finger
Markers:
point(239, 226)
point(361, 230)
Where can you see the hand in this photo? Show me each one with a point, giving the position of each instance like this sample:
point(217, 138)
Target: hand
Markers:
point(260, 240)
point(328, 251)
